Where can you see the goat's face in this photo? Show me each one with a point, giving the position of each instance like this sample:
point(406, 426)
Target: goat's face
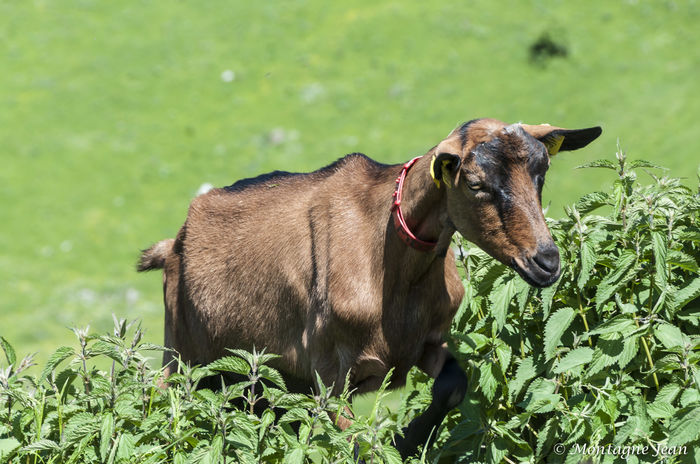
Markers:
point(494, 174)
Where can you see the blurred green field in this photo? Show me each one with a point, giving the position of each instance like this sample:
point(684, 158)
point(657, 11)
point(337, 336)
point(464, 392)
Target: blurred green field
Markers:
point(115, 113)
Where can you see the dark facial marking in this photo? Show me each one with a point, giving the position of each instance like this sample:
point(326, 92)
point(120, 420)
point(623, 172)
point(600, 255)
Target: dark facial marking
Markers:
point(464, 128)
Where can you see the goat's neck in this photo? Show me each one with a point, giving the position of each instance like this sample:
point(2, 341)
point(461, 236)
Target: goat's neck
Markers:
point(424, 206)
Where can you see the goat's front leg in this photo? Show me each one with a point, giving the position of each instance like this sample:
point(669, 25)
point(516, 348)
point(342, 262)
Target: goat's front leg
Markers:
point(448, 391)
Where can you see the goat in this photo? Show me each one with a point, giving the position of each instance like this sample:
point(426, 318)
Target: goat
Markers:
point(348, 269)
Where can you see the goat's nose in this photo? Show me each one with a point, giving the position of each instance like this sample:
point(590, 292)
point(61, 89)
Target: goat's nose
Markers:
point(547, 257)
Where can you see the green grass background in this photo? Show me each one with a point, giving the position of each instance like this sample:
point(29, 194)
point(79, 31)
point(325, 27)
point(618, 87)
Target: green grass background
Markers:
point(113, 114)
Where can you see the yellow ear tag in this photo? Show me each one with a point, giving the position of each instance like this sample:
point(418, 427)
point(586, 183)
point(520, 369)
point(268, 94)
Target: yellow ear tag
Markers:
point(554, 144)
point(432, 171)
point(446, 174)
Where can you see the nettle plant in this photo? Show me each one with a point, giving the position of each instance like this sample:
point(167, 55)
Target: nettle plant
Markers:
point(75, 412)
point(608, 355)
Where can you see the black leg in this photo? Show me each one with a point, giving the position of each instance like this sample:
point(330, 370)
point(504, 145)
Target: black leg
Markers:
point(448, 391)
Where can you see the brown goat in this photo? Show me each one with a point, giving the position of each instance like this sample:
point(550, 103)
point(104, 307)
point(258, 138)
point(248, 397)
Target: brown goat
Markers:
point(328, 271)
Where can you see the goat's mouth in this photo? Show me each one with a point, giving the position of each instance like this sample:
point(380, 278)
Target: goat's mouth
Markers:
point(534, 273)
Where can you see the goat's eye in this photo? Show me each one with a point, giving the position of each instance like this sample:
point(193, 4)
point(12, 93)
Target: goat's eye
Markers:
point(474, 186)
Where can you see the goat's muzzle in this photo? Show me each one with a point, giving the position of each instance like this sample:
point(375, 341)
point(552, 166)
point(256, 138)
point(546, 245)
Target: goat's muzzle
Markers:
point(541, 269)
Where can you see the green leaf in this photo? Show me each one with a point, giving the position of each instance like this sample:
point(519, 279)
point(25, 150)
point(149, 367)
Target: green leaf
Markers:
point(55, 359)
point(622, 323)
point(588, 260)
point(685, 295)
point(9, 351)
point(41, 445)
point(592, 201)
point(689, 397)
point(643, 164)
point(606, 353)
point(230, 364)
point(474, 341)
point(497, 450)
point(273, 375)
point(684, 426)
point(542, 402)
point(295, 457)
point(659, 247)
point(573, 359)
point(526, 371)
point(668, 393)
point(629, 351)
point(616, 278)
point(555, 328)
point(600, 163)
point(79, 426)
point(660, 410)
point(503, 353)
point(547, 296)
point(669, 335)
point(487, 380)
point(500, 298)
point(8, 446)
point(545, 438)
point(106, 432)
point(125, 449)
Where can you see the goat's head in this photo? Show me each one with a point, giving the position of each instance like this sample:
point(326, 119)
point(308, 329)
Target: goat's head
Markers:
point(494, 174)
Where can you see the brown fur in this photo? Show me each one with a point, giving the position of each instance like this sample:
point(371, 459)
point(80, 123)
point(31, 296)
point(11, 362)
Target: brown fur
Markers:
point(310, 267)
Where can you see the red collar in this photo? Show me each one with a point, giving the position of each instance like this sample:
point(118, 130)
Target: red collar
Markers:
point(399, 222)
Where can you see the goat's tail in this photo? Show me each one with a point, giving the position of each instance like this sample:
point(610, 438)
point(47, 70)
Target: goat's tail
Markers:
point(154, 257)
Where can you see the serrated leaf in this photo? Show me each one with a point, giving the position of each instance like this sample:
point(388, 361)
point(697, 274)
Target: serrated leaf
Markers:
point(542, 402)
point(500, 298)
point(545, 438)
point(659, 248)
point(643, 164)
point(503, 353)
point(125, 449)
point(8, 446)
point(588, 260)
point(592, 201)
point(606, 353)
point(273, 375)
point(9, 351)
point(669, 335)
point(622, 323)
point(600, 163)
point(682, 260)
point(526, 371)
point(106, 432)
point(230, 364)
point(555, 328)
point(497, 450)
point(295, 457)
point(683, 427)
point(41, 445)
point(487, 380)
point(660, 410)
point(474, 341)
point(689, 397)
point(685, 295)
point(629, 351)
point(616, 278)
point(79, 426)
point(668, 393)
point(547, 296)
point(574, 358)
point(55, 359)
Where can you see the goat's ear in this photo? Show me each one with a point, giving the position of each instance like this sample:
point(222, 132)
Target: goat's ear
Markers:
point(558, 139)
point(444, 166)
